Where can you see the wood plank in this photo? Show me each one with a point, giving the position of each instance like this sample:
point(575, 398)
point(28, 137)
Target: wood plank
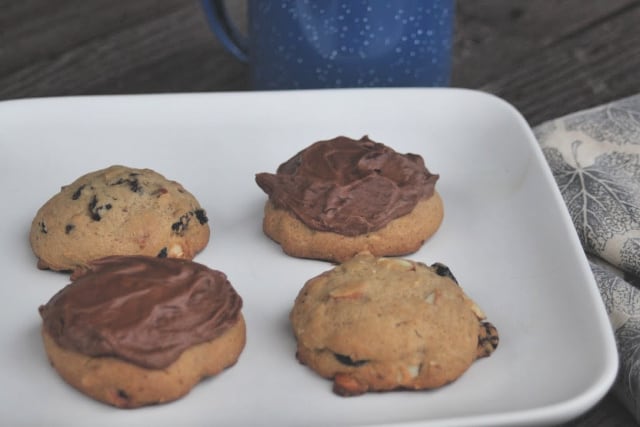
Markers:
point(36, 30)
point(547, 58)
point(117, 60)
point(170, 50)
point(584, 69)
point(493, 36)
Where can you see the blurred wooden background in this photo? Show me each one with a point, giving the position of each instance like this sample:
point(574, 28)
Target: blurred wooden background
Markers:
point(547, 57)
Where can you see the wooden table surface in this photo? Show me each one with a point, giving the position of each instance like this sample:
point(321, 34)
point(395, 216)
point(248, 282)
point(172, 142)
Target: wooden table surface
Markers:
point(547, 58)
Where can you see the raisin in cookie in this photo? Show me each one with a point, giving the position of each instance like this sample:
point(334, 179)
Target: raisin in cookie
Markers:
point(118, 211)
point(135, 330)
point(342, 196)
point(377, 324)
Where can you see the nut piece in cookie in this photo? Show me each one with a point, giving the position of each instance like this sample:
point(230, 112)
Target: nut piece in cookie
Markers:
point(378, 324)
point(342, 196)
point(134, 330)
point(118, 211)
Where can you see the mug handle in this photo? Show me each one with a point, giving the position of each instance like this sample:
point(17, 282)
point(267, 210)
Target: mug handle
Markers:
point(220, 23)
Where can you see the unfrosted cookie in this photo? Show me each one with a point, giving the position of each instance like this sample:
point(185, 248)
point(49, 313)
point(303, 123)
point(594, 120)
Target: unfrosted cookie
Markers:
point(377, 324)
point(342, 196)
point(134, 330)
point(118, 211)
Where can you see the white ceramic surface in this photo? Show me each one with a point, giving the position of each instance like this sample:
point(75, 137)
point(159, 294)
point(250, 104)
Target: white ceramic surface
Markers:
point(506, 236)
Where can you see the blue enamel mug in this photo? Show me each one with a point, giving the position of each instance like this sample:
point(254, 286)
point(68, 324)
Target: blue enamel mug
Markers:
point(304, 44)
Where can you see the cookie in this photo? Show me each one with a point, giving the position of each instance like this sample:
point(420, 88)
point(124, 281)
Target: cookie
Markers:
point(132, 331)
point(342, 196)
point(118, 211)
point(379, 324)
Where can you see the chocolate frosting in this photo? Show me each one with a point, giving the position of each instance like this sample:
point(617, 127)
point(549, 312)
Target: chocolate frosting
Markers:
point(143, 310)
point(348, 186)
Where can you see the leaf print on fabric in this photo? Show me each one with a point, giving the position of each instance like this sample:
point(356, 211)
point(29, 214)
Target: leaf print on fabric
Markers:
point(616, 293)
point(601, 188)
point(603, 199)
point(544, 131)
point(617, 122)
point(619, 296)
point(628, 383)
point(630, 256)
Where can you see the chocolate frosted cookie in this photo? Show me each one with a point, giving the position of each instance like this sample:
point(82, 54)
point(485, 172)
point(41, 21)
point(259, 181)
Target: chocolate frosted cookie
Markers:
point(135, 330)
point(378, 324)
point(118, 211)
point(343, 196)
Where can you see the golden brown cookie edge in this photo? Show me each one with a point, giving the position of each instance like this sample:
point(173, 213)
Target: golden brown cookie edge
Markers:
point(125, 385)
point(402, 236)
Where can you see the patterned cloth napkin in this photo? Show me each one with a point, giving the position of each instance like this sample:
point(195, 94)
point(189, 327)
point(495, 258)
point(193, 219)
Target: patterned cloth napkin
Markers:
point(595, 158)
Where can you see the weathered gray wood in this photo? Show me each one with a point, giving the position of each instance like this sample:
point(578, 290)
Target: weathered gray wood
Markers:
point(547, 57)
point(550, 64)
point(132, 49)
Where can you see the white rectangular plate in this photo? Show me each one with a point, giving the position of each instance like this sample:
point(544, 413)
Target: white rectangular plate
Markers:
point(506, 236)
